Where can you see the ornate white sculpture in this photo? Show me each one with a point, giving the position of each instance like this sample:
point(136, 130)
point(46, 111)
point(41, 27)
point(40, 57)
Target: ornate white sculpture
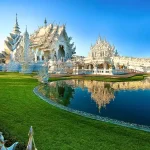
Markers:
point(31, 142)
point(12, 42)
point(101, 49)
point(43, 73)
point(24, 55)
point(13, 66)
point(23, 52)
point(2, 144)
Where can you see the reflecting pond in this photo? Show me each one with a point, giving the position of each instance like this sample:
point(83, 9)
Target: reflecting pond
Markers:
point(124, 101)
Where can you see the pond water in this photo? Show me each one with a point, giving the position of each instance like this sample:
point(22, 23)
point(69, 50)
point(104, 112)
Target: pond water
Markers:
point(123, 101)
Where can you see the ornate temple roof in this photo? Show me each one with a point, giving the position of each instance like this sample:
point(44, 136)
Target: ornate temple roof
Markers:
point(12, 42)
point(46, 37)
point(3, 55)
point(101, 48)
point(102, 44)
point(14, 38)
point(16, 27)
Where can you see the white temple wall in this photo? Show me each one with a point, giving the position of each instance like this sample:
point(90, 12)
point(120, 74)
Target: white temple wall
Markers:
point(41, 55)
point(35, 54)
point(132, 60)
point(136, 64)
point(38, 54)
point(35, 57)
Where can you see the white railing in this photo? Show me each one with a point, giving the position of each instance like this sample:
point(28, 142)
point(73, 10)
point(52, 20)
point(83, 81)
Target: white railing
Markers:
point(92, 71)
point(100, 71)
point(119, 71)
point(103, 71)
point(82, 71)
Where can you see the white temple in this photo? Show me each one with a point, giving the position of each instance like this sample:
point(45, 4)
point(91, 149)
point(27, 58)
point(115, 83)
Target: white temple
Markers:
point(100, 58)
point(51, 44)
point(48, 43)
point(19, 55)
point(104, 59)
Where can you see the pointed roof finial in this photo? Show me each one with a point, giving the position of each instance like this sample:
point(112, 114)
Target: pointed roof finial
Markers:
point(116, 53)
point(45, 22)
point(17, 20)
point(16, 17)
point(26, 28)
point(99, 37)
point(26, 32)
point(16, 27)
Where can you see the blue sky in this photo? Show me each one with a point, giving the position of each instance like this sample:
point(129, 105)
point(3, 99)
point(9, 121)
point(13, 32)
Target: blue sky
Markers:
point(124, 23)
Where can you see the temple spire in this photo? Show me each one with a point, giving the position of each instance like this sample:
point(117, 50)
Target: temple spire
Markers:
point(99, 38)
point(26, 43)
point(116, 53)
point(16, 27)
point(16, 19)
point(26, 29)
point(26, 32)
point(45, 22)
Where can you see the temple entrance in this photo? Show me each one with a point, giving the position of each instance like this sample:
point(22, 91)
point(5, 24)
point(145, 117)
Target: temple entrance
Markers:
point(104, 65)
point(107, 65)
point(61, 52)
point(100, 66)
point(91, 66)
point(46, 56)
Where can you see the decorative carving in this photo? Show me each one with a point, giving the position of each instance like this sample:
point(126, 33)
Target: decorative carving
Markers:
point(2, 144)
point(101, 49)
point(50, 38)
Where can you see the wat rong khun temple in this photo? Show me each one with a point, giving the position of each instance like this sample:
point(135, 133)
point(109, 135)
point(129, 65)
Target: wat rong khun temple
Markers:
point(50, 44)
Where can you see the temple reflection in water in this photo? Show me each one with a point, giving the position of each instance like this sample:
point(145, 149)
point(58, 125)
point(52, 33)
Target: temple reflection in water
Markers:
point(101, 92)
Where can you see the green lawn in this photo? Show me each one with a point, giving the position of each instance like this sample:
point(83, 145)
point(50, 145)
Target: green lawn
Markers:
point(57, 129)
point(137, 77)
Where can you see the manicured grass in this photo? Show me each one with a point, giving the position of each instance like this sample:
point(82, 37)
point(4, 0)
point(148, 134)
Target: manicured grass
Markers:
point(57, 129)
point(101, 78)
